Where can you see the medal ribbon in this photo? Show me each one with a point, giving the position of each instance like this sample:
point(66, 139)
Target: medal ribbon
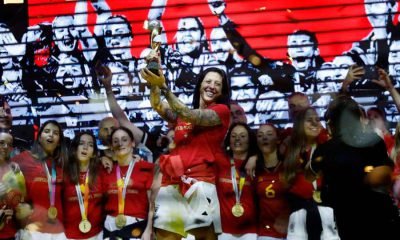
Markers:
point(314, 183)
point(234, 175)
point(83, 200)
point(122, 185)
point(51, 181)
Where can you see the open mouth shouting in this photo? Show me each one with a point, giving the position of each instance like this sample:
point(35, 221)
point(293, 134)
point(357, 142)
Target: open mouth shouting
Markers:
point(68, 82)
point(66, 44)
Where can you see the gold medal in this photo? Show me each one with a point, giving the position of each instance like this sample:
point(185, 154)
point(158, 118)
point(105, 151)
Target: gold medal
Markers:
point(237, 210)
point(85, 226)
point(120, 221)
point(136, 232)
point(2, 225)
point(52, 213)
point(317, 196)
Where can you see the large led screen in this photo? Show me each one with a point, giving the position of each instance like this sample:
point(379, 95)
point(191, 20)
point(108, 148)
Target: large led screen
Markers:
point(269, 50)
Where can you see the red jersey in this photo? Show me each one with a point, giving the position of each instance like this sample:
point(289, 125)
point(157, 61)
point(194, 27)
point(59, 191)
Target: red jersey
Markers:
point(389, 142)
point(303, 188)
point(272, 204)
point(37, 192)
point(197, 145)
point(72, 213)
point(9, 228)
point(226, 195)
point(136, 200)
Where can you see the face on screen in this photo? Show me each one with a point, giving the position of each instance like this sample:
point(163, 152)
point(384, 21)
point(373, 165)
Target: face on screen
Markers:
point(220, 44)
point(70, 73)
point(326, 77)
point(118, 37)
point(301, 51)
point(175, 60)
point(342, 64)
point(188, 36)
point(394, 61)
point(377, 11)
point(244, 91)
point(5, 59)
point(11, 71)
point(120, 81)
point(64, 33)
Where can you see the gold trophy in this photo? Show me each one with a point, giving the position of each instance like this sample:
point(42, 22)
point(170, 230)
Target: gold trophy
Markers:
point(155, 29)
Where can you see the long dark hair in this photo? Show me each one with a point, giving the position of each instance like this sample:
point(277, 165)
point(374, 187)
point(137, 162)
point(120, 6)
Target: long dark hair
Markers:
point(297, 144)
point(225, 94)
point(260, 165)
point(252, 146)
point(129, 132)
point(252, 149)
point(73, 166)
point(60, 154)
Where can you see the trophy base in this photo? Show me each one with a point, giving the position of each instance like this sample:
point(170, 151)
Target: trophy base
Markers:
point(153, 67)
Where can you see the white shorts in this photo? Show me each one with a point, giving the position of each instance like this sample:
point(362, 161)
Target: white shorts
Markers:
point(109, 223)
point(272, 238)
point(297, 225)
point(228, 236)
point(31, 235)
point(179, 214)
point(96, 237)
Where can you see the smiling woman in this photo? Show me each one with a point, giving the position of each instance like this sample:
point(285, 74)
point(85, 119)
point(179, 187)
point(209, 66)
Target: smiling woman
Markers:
point(235, 188)
point(189, 204)
point(304, 196)
point(128, 191)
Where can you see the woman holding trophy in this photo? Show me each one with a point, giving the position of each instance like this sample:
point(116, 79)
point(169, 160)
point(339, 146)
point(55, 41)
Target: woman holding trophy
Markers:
point(187, 201)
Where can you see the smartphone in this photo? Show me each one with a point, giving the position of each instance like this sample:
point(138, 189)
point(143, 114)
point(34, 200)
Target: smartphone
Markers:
point(371, 72)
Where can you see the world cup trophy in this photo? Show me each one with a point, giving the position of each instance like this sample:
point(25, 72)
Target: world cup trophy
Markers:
point(155, 29)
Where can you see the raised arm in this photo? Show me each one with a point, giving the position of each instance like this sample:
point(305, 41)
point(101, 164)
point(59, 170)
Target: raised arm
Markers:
point(89, 43)
point(242, 47)
point(161, 107)
point(103, 13)
point(155, 13)
point(386, 82)
point(200, 117)
point(274, 69)
point(354, 73)
point(116, 110)
point(157, 9)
